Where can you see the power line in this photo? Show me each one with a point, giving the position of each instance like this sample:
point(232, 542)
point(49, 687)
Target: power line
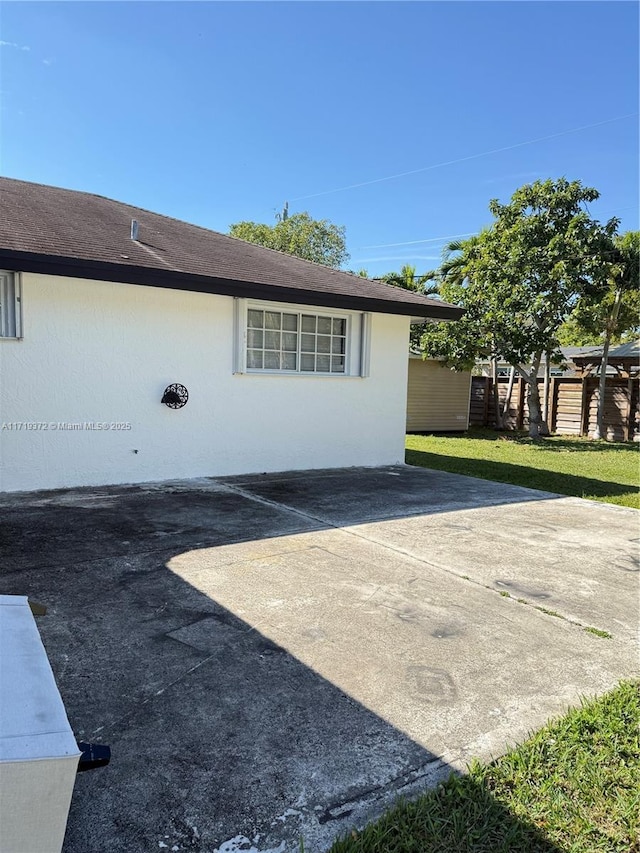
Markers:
point(413, 242)
point(455, 236)
point(465, 159)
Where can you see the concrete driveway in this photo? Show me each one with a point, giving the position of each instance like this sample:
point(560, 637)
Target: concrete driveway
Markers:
point(279, 656)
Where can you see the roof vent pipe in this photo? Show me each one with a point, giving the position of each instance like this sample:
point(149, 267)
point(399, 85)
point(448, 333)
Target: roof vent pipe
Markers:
point(134, 229)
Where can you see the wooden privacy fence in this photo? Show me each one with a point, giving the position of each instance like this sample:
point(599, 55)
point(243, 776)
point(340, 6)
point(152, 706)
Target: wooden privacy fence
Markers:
point(573, 405)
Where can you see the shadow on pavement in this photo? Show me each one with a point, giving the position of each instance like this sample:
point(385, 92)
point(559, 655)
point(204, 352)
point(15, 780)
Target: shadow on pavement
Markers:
point(133, 518)
point(221, 739)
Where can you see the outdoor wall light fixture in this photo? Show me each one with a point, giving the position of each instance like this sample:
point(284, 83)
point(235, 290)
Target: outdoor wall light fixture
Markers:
point(175, 396)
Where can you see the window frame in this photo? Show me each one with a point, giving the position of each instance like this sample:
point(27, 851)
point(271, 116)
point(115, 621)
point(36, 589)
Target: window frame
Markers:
point(354, 322)
point(11, 322)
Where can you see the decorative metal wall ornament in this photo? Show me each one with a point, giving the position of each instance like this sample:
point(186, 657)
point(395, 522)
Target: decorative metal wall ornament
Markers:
point(175, 396)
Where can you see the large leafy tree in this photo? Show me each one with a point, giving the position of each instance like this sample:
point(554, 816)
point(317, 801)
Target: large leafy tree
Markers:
point(520, 279)
point(315, 240)
point(594, 316)
point(460, 259)
point(476, 335)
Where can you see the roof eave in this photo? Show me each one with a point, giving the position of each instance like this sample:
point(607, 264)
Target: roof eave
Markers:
point(175, 280)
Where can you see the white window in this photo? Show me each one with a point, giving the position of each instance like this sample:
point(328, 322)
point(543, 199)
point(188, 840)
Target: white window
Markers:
point(296, 341)
point(10, 305)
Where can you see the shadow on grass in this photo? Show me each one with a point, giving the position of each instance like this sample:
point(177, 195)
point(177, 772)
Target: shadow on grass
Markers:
point(563, 778)
point(521, 475)
point(552, 442)
point(462, 816)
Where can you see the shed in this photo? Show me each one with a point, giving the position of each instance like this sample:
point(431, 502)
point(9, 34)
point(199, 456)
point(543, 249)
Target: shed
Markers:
point(437, 397)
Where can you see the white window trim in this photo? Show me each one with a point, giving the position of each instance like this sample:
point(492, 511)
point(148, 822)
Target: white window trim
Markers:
point(241, 308)
point(365, 345)
point(17, 299)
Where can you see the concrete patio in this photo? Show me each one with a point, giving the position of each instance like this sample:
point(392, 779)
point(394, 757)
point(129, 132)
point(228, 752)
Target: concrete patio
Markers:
point(280, 656)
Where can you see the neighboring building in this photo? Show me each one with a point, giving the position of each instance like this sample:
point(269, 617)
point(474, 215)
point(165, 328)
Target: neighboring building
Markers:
point(288, 365)
point(569, 364)
point(622, 360)
point(437, 397)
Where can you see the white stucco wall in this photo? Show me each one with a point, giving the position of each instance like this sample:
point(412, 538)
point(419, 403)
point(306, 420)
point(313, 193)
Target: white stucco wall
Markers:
point(104, 352)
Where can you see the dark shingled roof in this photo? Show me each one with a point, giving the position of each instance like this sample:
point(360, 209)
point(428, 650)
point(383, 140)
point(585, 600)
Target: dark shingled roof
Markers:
point(65, 232)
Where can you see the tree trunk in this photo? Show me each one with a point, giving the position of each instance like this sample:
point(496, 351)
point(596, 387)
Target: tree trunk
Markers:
point(496, 392)
point(610, 328)
point(544, 427)
point(533, 399)
point(507, 399)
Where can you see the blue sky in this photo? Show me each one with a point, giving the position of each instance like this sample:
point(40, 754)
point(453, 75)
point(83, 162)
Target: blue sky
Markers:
point(218, 112)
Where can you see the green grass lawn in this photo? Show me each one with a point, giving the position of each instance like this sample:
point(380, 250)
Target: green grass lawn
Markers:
point(573, 787)
point(598, 470)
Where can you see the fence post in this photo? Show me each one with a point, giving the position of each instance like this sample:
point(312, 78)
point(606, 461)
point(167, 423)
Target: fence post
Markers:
point(626, 417)
point(552, 405)
point(584, 407)
point(520, 405)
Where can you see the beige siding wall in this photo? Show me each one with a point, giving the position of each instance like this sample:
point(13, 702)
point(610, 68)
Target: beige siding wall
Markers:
point(437, 398)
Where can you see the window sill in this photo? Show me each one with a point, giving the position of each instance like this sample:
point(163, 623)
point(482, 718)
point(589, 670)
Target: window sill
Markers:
point(283, 374)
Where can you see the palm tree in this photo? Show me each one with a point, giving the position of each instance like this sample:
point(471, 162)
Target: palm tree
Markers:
point(457, 260)
point(408, 279)
point(623, 278)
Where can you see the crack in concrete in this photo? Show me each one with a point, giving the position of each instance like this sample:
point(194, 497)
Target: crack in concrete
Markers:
point(341, 809)
point(109, 727)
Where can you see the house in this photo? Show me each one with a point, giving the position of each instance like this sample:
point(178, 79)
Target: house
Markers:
point(135, 347)
point(572, 361)
point(437, 397)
